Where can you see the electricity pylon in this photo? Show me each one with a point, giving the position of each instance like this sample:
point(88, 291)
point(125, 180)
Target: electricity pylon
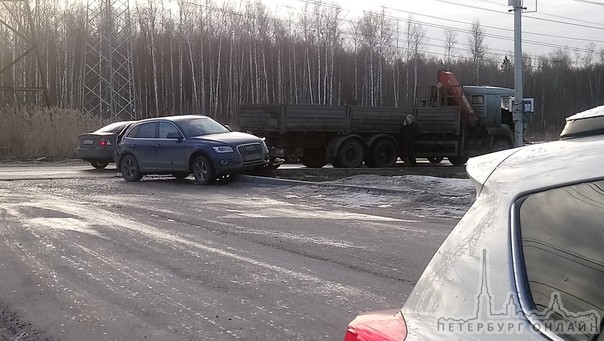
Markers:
point(28, 88)
point(108, 75)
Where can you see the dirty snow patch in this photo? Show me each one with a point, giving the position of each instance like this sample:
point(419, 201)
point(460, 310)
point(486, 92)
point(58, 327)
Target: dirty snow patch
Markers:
point(415, 194)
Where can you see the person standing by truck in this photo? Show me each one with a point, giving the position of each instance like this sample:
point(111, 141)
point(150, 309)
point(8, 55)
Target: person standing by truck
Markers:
point(409, 133)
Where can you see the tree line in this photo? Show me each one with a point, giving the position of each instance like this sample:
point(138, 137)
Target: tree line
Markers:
point(206, 57)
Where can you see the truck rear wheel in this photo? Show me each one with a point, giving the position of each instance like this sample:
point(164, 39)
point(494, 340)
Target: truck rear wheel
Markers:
point(383, 154)
point(313, 158)
point(350, 154)
point(458, 160)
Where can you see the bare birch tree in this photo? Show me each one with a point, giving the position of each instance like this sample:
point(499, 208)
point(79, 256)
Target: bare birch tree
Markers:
point(450, 43)
point(477, 48)
point(417, 45)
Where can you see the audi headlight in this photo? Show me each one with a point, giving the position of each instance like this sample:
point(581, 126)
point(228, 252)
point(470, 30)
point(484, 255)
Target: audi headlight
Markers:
point(223, 149)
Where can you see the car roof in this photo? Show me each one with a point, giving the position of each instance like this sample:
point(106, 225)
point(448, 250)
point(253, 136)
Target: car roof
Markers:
point(521, 170)
point(588, 122)
point(172, 118)
point(113, 125)
point(485, 90)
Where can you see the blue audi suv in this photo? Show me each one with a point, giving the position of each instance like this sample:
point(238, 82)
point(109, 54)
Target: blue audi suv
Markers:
point(181, 145)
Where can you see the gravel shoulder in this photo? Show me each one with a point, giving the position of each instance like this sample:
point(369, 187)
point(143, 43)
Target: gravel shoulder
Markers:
point(14, 328)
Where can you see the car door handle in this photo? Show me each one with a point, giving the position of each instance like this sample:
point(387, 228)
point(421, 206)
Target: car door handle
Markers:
point(158, 145)
point(133, 146)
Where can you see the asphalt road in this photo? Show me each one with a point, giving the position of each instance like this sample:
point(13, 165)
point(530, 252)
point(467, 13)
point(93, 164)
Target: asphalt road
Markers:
point(86, 256)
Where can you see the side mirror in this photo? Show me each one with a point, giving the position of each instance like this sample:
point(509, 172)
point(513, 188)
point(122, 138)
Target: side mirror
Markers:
point(228, 127)
point(175, 136)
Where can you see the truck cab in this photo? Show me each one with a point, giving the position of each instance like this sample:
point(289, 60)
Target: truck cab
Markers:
point(491, 104)
point(483, 123)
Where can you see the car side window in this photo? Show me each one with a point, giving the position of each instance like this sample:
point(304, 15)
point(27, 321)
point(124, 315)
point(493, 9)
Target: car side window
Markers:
point(562, 239)
point(133, 132)
point(166, 128)
point(147, 131)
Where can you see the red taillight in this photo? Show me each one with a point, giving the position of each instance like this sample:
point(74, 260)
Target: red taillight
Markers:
point(379, 326)
point(102, 142)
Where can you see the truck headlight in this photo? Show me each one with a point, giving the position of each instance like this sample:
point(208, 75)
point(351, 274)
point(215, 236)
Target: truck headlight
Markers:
point(223, 149)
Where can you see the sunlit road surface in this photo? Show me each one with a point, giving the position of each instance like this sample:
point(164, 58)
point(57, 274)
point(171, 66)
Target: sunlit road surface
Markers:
point(85, 255)
point(31, 171)
point(75, 169)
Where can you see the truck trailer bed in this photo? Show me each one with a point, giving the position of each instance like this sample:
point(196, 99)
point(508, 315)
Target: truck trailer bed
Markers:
point(282, 118)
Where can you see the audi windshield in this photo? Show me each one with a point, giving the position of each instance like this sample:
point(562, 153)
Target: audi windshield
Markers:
point(201, 126)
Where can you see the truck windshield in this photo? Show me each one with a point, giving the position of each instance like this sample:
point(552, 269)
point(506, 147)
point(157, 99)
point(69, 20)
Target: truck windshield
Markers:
point(202, 126)
point(505, 103)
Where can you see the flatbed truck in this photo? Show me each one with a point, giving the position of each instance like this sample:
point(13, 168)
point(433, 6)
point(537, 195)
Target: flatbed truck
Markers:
point(456, 123)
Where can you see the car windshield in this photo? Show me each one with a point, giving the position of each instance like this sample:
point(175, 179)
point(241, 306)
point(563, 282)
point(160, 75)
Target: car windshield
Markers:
point(202, 126)
point(113, 127)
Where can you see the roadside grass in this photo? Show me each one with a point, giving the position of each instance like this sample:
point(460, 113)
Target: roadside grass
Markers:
point(51, 132)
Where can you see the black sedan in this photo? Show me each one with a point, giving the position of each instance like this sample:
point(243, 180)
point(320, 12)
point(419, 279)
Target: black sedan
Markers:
point(98, 147)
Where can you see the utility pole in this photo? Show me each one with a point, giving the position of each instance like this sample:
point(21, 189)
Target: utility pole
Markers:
point(518, 114)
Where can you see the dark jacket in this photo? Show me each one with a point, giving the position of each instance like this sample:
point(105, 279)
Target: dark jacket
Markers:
point(409, 132)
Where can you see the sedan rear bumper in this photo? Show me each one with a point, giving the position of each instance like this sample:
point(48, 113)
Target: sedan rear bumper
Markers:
point(95, 155)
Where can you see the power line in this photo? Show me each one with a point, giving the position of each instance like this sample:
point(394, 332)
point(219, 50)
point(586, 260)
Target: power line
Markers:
point(496, 36)
point(529, 17)
point(354, 36)
point(590, 2)
point(498, 28)
point(493, 27)
point(471, 6)
point(551, 15)
point(573, 19)
point(456, 29)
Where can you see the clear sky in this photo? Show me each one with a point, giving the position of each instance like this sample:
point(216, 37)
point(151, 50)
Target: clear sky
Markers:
point(555, 24)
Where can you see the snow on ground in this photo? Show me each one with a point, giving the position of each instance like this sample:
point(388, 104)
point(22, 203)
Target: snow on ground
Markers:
point(408, 182)
point(408, 194)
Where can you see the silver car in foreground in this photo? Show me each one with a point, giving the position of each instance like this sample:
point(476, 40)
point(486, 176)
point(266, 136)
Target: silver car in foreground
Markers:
point(527, 260)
